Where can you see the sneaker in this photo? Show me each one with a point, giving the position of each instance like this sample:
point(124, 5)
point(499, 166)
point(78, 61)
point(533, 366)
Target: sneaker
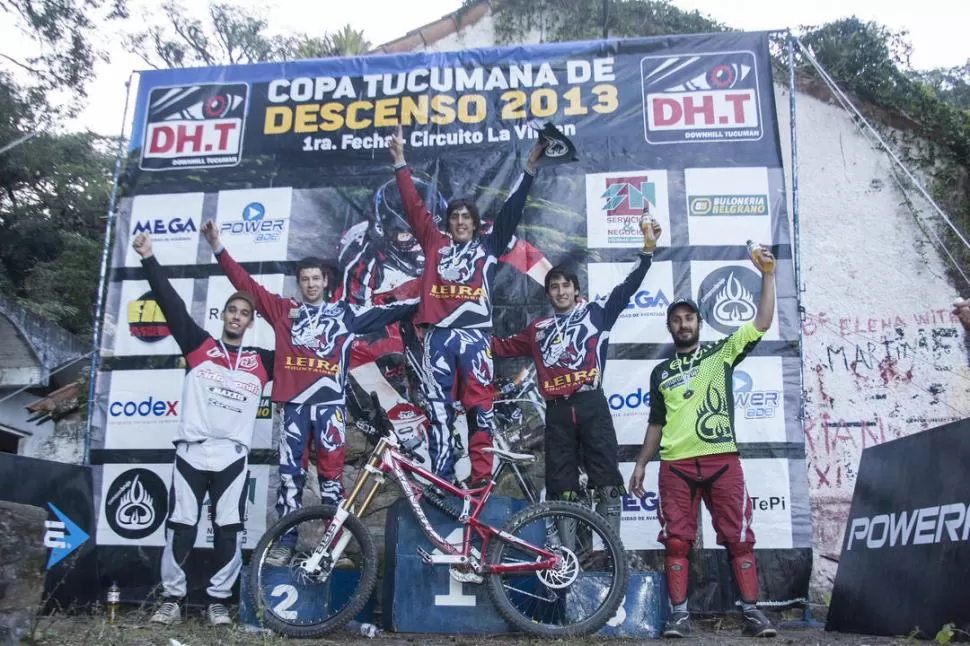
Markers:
point(756, 624)
point(678, 624)
point(218, 615)
point(279, 556)
point(168, 613)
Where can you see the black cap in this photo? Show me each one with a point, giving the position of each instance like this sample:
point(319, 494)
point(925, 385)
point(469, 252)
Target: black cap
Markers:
point(689, 302)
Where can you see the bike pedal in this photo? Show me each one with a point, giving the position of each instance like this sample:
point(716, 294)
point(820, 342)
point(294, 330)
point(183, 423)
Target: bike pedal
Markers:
point(425, 556)
point(465, 577)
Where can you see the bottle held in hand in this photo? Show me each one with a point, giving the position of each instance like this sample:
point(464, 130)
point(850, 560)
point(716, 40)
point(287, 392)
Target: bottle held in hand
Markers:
point(765, 263)
point(647, 223)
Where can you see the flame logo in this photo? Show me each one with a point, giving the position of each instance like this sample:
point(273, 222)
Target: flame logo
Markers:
point(136, 509)
point(713, 421)
point(734, 304)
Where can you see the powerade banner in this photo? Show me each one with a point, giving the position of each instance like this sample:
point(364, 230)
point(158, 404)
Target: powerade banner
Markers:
point(291, 160)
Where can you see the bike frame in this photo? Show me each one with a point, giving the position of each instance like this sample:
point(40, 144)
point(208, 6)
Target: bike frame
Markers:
point(386, 459)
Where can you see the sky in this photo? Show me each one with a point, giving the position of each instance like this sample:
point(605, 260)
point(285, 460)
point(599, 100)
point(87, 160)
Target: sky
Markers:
point(937, 31)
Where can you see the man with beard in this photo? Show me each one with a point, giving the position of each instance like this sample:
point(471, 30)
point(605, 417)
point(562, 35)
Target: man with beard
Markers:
point(313, 341)
point(692, 423)
point(223, 385)
point(456, 309)
point(569, 350)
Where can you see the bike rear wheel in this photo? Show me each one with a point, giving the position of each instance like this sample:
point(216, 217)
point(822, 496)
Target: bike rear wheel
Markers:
point(295, 600)
point(576, 598)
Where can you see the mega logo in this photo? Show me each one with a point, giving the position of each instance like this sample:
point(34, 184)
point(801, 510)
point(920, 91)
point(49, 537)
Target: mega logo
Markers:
point(160, 229)
point(624, 201)
point(710, 205)
point(198, 126)
point(756, 404)
point(648, 502)
point(647, 300)
point(135, 504)
point(638, 400)
point(150, 407)
point(146, 322)
point(701, 98)
point(253, 222)
point(728, 297)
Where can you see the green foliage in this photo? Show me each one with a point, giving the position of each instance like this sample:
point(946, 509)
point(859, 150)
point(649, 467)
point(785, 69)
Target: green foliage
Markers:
point(62, 31)
point(564, 20)
point(62, 290)
point(231, 35)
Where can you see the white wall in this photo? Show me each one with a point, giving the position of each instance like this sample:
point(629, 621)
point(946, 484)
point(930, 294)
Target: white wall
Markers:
point(61, 442)
point(883, 356)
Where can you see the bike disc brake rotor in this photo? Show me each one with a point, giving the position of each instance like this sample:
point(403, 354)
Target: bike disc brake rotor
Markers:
point(564, 573)
point(304, 576)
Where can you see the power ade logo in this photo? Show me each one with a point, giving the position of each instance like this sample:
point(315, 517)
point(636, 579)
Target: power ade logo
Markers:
point(253, 222)
point(728, 297)
point(756, 404)
point(637, 401)
point(135, 504)
point(925, 526)
point(712, 205)
point(198, 126)
point(145, 319)
point(624, 201)
point(701, 98)
point(146, 408)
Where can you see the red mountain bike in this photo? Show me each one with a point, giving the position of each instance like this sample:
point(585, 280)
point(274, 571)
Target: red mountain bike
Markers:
point(566, 582)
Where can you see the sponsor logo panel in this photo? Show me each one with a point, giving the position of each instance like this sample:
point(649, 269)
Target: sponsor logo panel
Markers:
point(615, 203)
point(254, 223)
point(701, 98)
point(727, 206)
point(626, 384)
point(144, 409)
point(728, 295)
point(142, 328)
point(172, 221)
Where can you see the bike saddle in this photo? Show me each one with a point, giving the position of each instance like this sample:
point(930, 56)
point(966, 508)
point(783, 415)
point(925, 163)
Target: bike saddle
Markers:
point(511, 456)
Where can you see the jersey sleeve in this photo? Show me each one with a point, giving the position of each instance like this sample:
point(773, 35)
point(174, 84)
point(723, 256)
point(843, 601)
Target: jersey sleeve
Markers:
point(271, 306)
point(658, 408)
point(268, 358)
point(620, 296)
point(371, 318)
point(737, 346)
point(186, 332)
point(517, 345)
point(510, 215)
point(420, 219)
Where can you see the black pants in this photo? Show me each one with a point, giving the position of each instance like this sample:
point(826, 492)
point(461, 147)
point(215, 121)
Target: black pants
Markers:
point(579, 430)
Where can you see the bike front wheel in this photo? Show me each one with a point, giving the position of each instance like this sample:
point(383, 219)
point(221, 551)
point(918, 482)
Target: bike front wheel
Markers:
point(575, 598)
point(300, 587)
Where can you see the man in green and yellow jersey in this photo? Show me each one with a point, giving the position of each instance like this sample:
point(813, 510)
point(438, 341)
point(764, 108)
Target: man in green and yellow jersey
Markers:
point(692, 423)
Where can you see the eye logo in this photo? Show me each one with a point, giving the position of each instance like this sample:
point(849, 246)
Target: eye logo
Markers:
point(198, 126)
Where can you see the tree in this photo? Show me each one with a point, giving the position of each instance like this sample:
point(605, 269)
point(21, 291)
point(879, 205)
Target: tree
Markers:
point(231, 35)
point(62, 32)
point(562, 20)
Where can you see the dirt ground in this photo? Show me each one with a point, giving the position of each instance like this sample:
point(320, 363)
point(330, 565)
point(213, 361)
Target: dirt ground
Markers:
point(132, 628)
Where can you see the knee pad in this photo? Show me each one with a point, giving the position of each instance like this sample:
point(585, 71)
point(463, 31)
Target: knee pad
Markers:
point(677, 548)
point(608, 501)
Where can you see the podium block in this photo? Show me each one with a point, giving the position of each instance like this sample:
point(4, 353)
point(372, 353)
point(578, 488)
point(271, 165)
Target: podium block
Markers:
point(306, 601)
point(420, 598)
point(643, 611)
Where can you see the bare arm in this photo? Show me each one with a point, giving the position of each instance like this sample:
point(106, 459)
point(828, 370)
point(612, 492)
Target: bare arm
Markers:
point(766, 306)
point(651, 442)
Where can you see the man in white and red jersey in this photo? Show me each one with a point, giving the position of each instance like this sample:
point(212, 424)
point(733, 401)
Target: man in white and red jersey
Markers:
point(223, 385)
point(569, 351)
point(313, 341)
point(456, 309)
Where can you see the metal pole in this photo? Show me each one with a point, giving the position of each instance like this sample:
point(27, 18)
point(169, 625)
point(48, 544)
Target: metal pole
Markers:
point(806, 621)
point(99, 304)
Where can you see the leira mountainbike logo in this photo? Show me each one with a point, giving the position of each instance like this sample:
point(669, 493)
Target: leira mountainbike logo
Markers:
point(546, 555)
